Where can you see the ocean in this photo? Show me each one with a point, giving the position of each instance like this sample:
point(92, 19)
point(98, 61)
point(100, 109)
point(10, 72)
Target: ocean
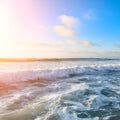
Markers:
point(71, 89)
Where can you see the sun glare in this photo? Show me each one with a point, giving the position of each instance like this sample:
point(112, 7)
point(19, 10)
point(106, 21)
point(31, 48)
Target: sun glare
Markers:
point(7, 31)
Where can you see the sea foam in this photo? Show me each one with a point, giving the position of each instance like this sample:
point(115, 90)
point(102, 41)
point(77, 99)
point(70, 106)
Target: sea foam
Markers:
point(53, 74)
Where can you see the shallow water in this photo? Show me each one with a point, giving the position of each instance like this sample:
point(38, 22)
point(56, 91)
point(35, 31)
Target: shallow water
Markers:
point(64, 90)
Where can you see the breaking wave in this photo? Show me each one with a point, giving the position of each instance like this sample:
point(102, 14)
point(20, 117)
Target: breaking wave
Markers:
point(14, 76)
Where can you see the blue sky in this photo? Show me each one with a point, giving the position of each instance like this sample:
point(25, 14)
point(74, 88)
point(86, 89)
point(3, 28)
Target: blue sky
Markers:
point(59, 28)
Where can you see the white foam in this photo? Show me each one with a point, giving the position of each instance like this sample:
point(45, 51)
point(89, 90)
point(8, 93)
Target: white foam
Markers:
point(23, 75)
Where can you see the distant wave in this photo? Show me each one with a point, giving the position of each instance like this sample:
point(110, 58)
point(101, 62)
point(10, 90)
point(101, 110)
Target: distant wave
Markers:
point(13, 76)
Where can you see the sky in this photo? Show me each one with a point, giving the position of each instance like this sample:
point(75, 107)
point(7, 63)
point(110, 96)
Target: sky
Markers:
point(59, 29)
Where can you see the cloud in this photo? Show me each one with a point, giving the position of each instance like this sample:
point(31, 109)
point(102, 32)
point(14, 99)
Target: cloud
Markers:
point(64, 31)
point(84, 43)
point(68, 21)
point(78, 53)
point(110, 54)
point(117, 45)
point(90, 53)
point(72, 42)
point(89, 15)
point(37, 44)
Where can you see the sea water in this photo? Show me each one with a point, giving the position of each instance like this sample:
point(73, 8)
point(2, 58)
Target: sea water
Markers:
point(80, 89)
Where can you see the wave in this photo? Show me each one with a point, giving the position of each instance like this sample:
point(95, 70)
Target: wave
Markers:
point(14, 76)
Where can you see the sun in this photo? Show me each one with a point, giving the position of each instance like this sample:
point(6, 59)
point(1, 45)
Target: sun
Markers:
point(7, 31)
point(7, 23)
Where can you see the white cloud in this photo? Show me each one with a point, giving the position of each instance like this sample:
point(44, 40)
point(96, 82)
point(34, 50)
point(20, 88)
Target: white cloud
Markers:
point(84, 43)
point(64, 31)
point(68, 21)
point(38, 44)
point(72, 42)
point(89, 15)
